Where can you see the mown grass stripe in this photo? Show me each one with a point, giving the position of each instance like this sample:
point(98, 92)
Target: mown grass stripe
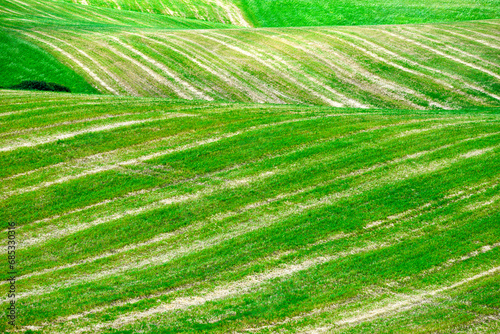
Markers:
point(316, 203)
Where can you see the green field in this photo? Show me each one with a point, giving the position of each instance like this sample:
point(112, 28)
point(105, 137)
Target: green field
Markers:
point(231, 217)
point(204, 177)
point(223, 11)
point(424, 66)
point(56, 15)
point(294, 13)
point(21, 60)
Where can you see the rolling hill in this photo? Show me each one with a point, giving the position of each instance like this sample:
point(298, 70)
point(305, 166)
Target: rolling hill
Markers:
point(29, 14)
point(421, 66)
point(205, 176)
point(20, 61)
point(295, 13)
point(223, 11)
point(164, 216)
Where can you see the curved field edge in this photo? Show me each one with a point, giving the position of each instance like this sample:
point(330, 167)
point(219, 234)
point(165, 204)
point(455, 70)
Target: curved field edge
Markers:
point(20, 60)
point(445, 66)
point(222, 11)
point(218, 217)
point(297, 13)
point(28, 14)
point(285, 13)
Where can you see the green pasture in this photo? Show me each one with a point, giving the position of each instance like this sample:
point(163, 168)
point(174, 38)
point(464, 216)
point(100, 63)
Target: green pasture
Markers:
point(298, 13)
point(20, 60)
point(247, 216)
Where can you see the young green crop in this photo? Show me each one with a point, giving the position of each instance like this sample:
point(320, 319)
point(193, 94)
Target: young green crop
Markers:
point(249, 217)
point(298, 13)
point(21, 60)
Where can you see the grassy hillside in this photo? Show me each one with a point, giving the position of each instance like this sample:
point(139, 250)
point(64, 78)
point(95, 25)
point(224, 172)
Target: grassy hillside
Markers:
point(223, 11)
point(176, 216)
point(418, 67)
point(57, 14)
point(208, 178)
point(296, 13)
point(21, 60)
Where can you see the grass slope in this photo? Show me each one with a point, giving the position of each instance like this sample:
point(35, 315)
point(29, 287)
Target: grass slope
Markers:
point(407, 66)
point(223, 11)
point(21, 60)
point(151, 215)
point(295, 13)
point(27, 14)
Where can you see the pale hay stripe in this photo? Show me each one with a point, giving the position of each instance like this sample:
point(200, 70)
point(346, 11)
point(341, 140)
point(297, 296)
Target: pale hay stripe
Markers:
point(282, 72)
point(196, 92)
point(98, 169)
point(331, 238)
point(346, 100)
point(409, 61)
point(66, 10)
point(302, 147)
point(305, 147)
point(77, 103)
point(377, 83)
point(450, 262)
point(391, 63)
point(401, 173)
point(76, 61)
point(493, 23)
point(101, 168)
point(151, 87)
point(439, 126)
point(233, 12)
point(28, 242)
point(165, 257)
point(229, 290)
point(489, 202)
point(433, 50)
point(480, 41)
point(50, 139)
point(134, 300)
point(377, 80)
point(17, 20)
point(10, 11)
point(58, 105)
point(384, 50)
point(258, 85)
point(150, 207)
point(30, 8)
point(173, 305)
point(117, 80)
point(477, 33)
point(219, 72)
point(407, 303)
point(106, 18)
point(220, 217)
point(329, 308)
point(85, 159)
point(164, 293)
point(161, 153)
point(73, 122)
point(91, 12)
point(444, 44)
